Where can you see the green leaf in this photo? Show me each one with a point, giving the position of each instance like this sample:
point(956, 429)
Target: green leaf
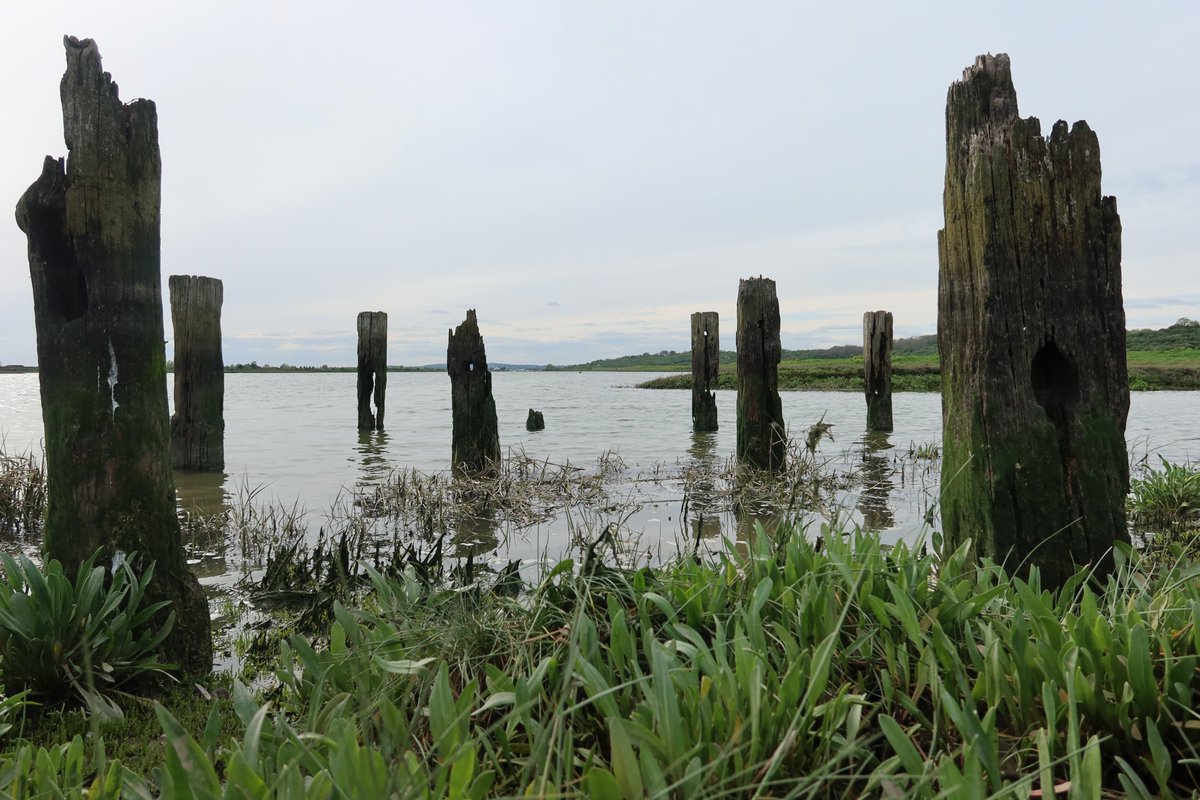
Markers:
point(602, 785)
point(624, 762)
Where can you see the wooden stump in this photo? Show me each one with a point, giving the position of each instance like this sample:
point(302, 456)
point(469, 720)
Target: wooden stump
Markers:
point(372, 368)
point(198, 424)
point(706, 358)
point(877, 369)
point(761, 435)
point(1031, 331)
point(535, 421)
point(475, 444)
point(93, 234)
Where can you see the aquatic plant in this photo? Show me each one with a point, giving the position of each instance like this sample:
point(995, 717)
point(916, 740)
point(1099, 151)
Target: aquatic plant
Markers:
point(22, 495)
point(1168, 498)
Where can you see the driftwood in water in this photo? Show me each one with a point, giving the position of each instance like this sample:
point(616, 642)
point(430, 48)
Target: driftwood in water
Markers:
point(92, 225)
point(535, 421)
point(877, 369)
point(1031, 331)
point(761, 435)
point(475, 443)
point(706, 358)
point(372, 368)
point(198, 424)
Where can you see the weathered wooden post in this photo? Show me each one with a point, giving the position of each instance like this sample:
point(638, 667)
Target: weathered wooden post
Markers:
point(706, 358)
point(536, 421)
point(877, 369)
point(1031, 331)
point(761, 435)
point(198, 424)
point(372, 368)
point(475, 444)
point(93, 234)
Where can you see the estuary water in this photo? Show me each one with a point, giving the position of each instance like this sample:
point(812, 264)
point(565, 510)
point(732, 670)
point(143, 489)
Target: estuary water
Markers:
point(291, 439)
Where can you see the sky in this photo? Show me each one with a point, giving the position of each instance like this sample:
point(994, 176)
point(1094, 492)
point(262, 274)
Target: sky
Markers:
point(588, 174)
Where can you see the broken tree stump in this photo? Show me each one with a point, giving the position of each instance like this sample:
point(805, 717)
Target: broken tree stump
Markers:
point(372, 368)
point(475, 442)
point(535, 421)
point(877, 369)
point(706, 358)
point(1031, 331)
point(761, 435)
point(92, 225)
point(198, 424)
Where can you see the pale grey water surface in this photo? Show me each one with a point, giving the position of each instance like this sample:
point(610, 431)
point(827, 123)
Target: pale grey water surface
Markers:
point(294, 436)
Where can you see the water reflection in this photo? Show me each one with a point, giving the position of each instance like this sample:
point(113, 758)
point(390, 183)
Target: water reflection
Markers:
point(475, 530)
point(876, 473)
point(701, 510)
point(373, 464)
point(202, 500)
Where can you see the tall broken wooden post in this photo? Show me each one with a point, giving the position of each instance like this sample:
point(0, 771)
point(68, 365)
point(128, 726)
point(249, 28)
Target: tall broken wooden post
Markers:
point(1031, 331)
point(198, 424)
point(372, 368)
point(706, 358)
point(877, 369)
point(93, 233)
point(761, 435)
point(475, 443)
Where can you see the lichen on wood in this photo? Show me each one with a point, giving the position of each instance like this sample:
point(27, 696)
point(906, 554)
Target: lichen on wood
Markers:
point(1031, 332)
point(877, 369)
point(761, 434)
point(92, 224)
point(198, 424)
point(372, 369)
point(475, 442)
point(706, 361)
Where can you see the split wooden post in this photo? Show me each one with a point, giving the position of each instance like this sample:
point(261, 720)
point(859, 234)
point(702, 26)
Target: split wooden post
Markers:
point(372, 368)
point(761, 435)
point(536, 421)
point(475, 442)
point(706, 359)
point(198, 424)
point(877, 369)
point(92, 225)
point(1031, 332)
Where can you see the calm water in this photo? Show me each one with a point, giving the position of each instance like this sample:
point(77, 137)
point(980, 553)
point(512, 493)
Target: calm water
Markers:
point(294, 436)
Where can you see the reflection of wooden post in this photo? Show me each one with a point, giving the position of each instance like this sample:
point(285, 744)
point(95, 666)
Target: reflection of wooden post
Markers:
point(475, 444)
point(706, 358)
point(372, 368)
point(761, 436)
point(877, 369)
point(1031, 331)
point(198, 424)
point(93, 234)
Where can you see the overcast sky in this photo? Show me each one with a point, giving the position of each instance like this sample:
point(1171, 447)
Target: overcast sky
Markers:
point(587, 174)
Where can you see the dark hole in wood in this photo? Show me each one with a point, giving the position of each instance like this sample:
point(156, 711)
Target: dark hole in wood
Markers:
point(1055, 380)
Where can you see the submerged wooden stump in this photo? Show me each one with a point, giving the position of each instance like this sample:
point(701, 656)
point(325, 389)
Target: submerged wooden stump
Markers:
point(761, 435)
point(372, 368)
point(706, 359)
point(198, 424)
point(535, 421)
point(877, 369)
point(92, 225)
point(1031, 331)
point(475, 444)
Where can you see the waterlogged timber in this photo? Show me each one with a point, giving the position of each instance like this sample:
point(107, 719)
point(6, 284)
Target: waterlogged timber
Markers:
point(372, 369)
point(198, 422)
point(1031, 332)
point(761, 432)
point(877, 369)
point(475, 440)
point(92, 223)
point(706, 362)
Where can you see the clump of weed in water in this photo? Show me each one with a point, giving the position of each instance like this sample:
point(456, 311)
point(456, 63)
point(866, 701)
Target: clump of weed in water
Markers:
point(22, 495)
point(1167, 499)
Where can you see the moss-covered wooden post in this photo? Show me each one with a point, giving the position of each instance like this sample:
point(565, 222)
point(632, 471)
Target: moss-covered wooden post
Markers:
point(706, 359)
point(475, 443)
point(372, 368)
point(1031, 331)
point(761, 434)
point(92, 225)
point(198, 424)
point(877, 369)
